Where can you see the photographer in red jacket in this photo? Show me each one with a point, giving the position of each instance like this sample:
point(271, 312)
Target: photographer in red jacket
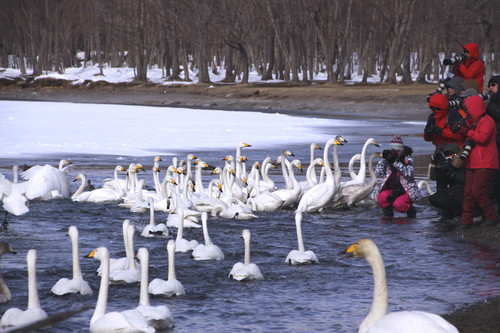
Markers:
point(468, 65)
point(480, 137)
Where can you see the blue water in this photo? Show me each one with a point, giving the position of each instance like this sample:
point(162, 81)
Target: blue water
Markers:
point(428, 268)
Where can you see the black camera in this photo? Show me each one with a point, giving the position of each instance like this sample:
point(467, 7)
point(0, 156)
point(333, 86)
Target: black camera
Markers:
point(466, 149)
point(454, 60)
point(390, 155)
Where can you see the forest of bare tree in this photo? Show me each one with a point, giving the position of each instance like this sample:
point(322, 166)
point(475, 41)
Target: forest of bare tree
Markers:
point(291, 40)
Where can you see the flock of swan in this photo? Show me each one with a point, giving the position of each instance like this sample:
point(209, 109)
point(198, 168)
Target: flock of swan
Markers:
point(232, 193)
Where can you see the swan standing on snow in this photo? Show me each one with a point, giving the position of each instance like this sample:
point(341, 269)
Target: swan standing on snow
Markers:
point(172, 286)
point(47, 182)
point(153, 229)
point(181, 244)
point(159, 316)
point(5, 294)
point(17, 317)
point(132, 273)
point(246, 270)
point(300, 256)
point(77, 284)
point(207, 251)
point(125, 321)
point(378, 320)
point(320, 194)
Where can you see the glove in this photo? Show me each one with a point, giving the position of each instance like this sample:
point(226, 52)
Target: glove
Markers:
point(432, 129)
point(389, 155)
point(457, 126)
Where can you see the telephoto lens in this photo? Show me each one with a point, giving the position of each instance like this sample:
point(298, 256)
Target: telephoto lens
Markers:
point(464, 154)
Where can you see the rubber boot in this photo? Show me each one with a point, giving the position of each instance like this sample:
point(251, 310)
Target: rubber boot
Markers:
point(412, 212)
point(388, 212)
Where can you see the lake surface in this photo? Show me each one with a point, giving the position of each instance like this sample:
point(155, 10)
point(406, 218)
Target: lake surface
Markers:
point(428, 268)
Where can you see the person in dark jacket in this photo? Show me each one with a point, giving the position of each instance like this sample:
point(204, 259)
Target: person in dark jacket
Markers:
point(450, 183)
point(480, 133)
point(493, 110)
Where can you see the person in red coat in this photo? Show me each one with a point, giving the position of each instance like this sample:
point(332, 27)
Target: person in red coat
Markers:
point(472, 67)
point(480, 133)
point(440, 122)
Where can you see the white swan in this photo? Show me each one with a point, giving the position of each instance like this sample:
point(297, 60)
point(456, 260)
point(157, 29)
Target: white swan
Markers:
point(99, 195)
point(207, 251)
point(378, 320)
point(181, 244)
point(355, 192)
point(311, 178)
point(320, 194)
point(132, 273)
point(77, 284)
point(290, 196)
point(361, 176)
point(124, 262)
point(153, 229)
point(428, 187)
point(158, 316)
point(235, 210)
point(172, 286)
point(177, 215)
point(13, 196)
point(18, 317)
point(47, 182)
point(300, 256)
point(5, 294)
point(125, 321)
point(246, 270)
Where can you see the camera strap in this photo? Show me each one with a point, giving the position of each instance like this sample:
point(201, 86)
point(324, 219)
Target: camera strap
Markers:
point(478, 119)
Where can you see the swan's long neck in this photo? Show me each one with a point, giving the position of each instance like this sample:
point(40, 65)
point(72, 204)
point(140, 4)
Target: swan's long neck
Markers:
point(328, 171)
point(33, 301)
point(125, 237)
point(265, 175)
point(130, 244)
point(171, 260)
point(118, 186)
point(102, 298)
point(336, 165)
point(156, 179)
point(373, 177)
point(298, 225)
point(199, 183)
point(284, 170)
point(246, 239)
point(151, 212)
point(77, 272)
point(144, 258)
point(81, 187)
point(15, 175)
point(380, 300)
point(362, 163)
point(180, 228)
point(206, 236)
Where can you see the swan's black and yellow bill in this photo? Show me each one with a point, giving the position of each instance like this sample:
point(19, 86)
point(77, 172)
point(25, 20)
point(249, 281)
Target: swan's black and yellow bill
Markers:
point(91, 254)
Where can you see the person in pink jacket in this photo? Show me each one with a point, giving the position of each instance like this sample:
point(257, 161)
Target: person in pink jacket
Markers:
point(480, 133)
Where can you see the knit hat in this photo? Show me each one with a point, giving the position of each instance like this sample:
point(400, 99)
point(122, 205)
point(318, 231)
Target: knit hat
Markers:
point(396, 143)
point(455, 83)
point(470, 83)
point(439, 101)
point(468, 92)
point(495, 79)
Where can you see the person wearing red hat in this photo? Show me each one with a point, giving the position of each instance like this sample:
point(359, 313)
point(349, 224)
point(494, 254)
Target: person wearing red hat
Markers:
point(472, 67)
point(398, 189)
point(480, 131)
point(441, 121)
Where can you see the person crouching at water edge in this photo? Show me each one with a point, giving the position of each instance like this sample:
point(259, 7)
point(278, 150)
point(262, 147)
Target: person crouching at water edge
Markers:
point(398, 189)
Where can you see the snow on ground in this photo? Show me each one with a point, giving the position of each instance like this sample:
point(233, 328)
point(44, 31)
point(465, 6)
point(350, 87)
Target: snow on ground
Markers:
point(31, 129)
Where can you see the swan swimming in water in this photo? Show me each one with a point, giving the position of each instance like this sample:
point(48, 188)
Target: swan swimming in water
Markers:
point(378, 320)
point(300, 256)
point(207, 251)
point(77, 284)
point(47, 182)
point(181, 244)
point(99, 195)
point(132, 273)
point(18, 317)
point(5, 294)
point(172, 286)
point(124, 321)
point(243, 271)
point(153, 229)
point(158, 316)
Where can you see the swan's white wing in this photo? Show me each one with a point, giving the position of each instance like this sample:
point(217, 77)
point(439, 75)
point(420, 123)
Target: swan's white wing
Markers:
point(207, 252)
point(183, 245)
point(412, 322)
point(242, 272)
point(126, 321)
point(167, 288)
point(17, 317)
point(67, 286)
point(45, 180)
point(296, 257)
point(159, 317)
